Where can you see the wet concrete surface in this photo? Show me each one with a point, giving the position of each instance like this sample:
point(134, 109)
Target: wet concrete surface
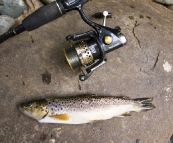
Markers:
point(142, 68)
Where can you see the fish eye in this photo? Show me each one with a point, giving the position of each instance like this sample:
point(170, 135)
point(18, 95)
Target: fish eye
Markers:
point(30, 104)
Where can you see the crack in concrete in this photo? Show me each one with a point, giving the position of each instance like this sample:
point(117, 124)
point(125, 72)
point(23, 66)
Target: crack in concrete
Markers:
point(32, 39)
point(156, 61)
point(133, 31)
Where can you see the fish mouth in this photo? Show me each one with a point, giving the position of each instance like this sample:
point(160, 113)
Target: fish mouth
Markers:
point(25, 110)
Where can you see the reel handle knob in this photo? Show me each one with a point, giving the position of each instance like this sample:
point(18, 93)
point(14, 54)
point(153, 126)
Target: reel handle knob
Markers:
point(105, 14)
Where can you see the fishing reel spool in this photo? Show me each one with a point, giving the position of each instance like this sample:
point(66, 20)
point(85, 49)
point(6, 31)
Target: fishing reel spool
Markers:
point(89, 52)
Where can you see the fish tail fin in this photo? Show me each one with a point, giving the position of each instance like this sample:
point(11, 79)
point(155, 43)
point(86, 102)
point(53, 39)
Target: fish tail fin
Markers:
point(145, 103)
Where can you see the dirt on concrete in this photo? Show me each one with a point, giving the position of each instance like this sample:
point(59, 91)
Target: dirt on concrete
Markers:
point(142, 68)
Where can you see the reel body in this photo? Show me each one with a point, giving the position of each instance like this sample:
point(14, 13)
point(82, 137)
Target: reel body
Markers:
point(89, 52)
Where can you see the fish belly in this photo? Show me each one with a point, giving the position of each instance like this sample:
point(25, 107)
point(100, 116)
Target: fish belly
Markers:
point(91, 115)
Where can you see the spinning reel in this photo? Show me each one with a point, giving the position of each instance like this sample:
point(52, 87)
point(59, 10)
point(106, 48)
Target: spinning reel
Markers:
point(90, 50)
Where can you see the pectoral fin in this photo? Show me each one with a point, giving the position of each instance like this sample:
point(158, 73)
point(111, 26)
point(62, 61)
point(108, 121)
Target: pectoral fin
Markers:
point(63, 117)
point(125, 115)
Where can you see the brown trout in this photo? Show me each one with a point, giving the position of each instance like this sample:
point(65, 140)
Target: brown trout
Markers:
point(80, 110)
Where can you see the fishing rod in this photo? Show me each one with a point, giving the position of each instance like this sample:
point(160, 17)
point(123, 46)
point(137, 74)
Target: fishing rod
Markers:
point(43, 16)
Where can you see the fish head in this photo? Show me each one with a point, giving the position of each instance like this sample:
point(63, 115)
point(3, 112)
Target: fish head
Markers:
point(37, 109)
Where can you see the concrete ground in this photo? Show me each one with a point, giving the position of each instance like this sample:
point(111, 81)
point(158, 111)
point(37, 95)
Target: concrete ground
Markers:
point(142, 68)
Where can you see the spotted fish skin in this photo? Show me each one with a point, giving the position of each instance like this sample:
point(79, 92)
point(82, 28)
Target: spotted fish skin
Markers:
point(79, 110)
